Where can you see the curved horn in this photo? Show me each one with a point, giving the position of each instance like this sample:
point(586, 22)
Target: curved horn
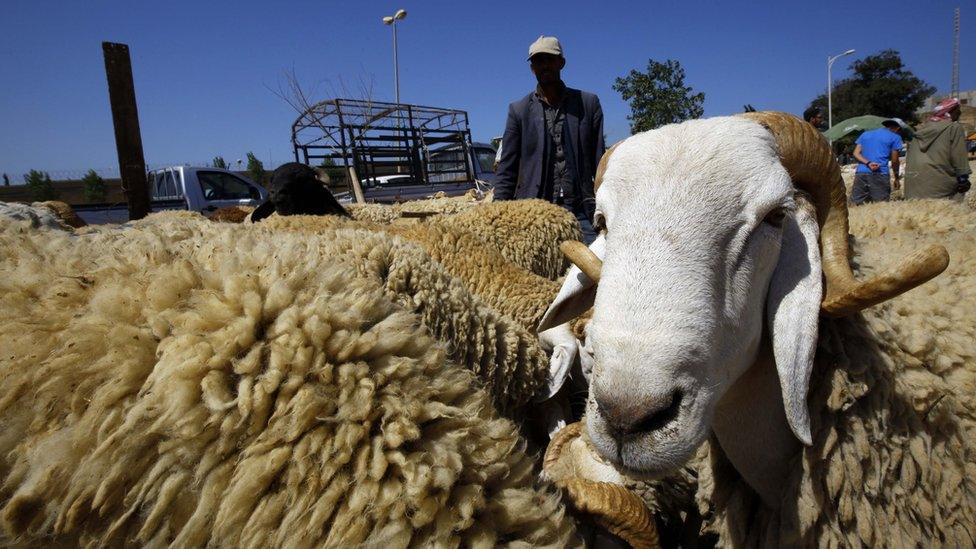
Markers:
point(807, 157)
point(602, 167)
point(555, 448)
point(615, 509)
point(582, 257)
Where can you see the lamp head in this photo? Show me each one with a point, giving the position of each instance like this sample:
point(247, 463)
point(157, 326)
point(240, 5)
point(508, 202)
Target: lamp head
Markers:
point(400, 14)
point(387, 20)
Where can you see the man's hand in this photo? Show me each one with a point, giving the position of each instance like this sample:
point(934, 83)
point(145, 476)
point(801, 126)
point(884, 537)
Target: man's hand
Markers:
point(962, 184)
point(874, 166)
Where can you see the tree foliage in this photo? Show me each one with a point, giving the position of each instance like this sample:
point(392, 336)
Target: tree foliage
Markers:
point(255, 169)
point(658, 96)
point(40, 186)
point(881, 85)
point(95, 189)
point(219, 162)
point(335, 173)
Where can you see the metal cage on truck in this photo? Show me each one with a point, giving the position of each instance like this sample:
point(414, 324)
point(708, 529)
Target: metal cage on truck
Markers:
point(428, 144)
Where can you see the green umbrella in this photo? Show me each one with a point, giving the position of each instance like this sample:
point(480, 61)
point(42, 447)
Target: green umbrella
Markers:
point(860, 124)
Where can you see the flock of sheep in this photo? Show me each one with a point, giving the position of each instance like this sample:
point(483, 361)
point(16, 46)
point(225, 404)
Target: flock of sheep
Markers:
point(756, 366)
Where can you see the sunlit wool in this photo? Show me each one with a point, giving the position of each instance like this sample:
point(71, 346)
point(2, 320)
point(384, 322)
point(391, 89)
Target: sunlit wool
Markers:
point(525, 232)
point(188, 383)
point(891, 397)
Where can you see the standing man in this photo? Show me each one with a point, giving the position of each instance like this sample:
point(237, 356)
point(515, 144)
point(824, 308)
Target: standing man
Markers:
point(873, 150)
point(553, 140)
point(814, 116)
point(937, 162)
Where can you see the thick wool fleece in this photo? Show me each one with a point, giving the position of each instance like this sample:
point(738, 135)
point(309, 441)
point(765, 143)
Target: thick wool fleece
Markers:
point(526, 232)
point(63, 211)
point(37, 214)
point(189, 383)
point(505, 286)
point(926, 218)
point(503, 353)
point(385, 213)
point(501, 284)
point(894, 456)
point(231, 214)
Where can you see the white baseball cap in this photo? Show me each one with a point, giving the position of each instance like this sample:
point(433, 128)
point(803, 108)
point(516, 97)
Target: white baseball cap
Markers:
point(546, 44)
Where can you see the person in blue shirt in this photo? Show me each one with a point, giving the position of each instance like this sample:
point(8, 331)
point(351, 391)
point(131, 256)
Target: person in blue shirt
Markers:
point(873, 150)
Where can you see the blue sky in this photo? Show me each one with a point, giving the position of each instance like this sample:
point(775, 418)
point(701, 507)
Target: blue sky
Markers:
point(203, 69)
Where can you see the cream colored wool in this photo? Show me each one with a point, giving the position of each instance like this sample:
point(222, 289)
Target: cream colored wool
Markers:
point(63, 211)
point(929, 217)
point(502, 285)
point(385, 213)
point(893, 461)
point(526, 232)
point(504, 354)
point(231, 214)
point(190, 383)
point(37, 215)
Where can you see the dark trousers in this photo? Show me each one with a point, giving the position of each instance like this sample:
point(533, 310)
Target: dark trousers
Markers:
point(871, 187)
point(589, 235)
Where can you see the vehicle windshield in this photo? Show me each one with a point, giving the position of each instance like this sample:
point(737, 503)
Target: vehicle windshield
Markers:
point(486, 160)
point(224, 186)
point(165, 187)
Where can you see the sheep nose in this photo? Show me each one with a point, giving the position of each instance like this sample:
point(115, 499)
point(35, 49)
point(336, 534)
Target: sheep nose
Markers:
point(632, 415)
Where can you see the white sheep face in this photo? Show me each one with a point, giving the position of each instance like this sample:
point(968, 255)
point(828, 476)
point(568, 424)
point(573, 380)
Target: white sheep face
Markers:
point(694, 215)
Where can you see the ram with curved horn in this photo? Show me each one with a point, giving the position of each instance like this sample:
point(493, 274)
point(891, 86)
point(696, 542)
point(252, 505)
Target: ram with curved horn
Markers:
point(723, 253)
point(819, 175)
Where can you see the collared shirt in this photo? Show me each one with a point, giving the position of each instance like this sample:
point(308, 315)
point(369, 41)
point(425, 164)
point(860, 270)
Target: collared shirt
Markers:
point(558, 183)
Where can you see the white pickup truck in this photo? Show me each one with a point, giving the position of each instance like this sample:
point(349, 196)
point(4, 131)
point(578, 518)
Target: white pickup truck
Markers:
point(184, 188)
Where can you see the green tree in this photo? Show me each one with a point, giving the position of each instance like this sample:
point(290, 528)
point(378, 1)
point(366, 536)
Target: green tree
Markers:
point(658, 96)
point(255, 169)
point(40, 186)
point(95, 189)
point(336, 173)
point(880, 85)
point(218, 162)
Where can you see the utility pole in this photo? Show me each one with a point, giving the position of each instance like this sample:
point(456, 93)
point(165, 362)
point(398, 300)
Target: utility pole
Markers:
point(125, 118)
point(955, 57)
point(830, 86)
point(391, 21)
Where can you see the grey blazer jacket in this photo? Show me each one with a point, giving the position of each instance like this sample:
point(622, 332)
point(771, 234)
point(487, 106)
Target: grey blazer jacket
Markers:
point(520, 168)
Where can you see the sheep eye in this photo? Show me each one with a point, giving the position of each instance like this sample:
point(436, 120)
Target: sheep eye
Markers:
point(775, 217)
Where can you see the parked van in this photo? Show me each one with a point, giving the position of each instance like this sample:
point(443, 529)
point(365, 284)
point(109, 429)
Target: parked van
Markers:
point(184, 188)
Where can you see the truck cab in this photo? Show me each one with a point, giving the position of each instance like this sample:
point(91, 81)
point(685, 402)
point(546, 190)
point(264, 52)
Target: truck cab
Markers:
point(202, 190)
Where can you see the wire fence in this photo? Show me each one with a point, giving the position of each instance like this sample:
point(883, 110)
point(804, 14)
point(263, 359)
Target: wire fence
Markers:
point(113, 171)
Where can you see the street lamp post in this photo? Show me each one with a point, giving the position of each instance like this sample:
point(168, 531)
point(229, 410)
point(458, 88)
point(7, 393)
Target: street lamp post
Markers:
point(391, 20)
point(830, 86)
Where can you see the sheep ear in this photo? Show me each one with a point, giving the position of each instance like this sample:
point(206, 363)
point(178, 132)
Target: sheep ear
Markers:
point(576, 295)
point(792, 314)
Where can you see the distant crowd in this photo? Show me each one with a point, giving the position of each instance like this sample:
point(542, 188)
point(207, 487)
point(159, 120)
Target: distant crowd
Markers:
point(937, 157)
